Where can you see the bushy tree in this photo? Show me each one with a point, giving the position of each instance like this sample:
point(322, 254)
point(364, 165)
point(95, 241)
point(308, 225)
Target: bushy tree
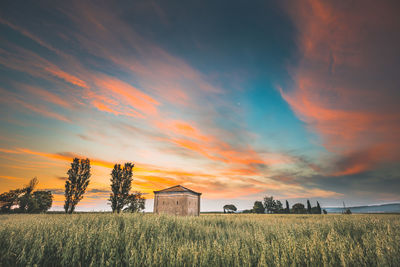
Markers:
point(230, 208)
point(324, 211)
point(258, 207)
point(298, 208)
point(42, 201)
point(26, 201)
point(272, 205)
point(347, 211)
point(9, 199)
point(78, 181)
point(135, 202)
point(269, 204)
point(278, 207)
point(121, 180)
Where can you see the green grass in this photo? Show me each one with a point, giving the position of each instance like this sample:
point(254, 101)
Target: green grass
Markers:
point(208, 240)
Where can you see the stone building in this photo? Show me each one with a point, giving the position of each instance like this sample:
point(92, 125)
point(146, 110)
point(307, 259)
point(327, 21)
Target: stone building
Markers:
point(177, 200)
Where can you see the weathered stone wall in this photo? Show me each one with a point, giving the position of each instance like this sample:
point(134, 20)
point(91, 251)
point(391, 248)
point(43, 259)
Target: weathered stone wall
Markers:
point(176, 204)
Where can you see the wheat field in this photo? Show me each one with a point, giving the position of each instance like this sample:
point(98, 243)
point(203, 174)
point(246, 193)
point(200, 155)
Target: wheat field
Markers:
point(208, 240)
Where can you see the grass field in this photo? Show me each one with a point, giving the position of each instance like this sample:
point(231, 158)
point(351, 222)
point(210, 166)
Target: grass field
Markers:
point(208, 240)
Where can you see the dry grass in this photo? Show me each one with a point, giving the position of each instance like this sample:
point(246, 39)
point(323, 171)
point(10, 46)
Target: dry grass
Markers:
point(208, 240)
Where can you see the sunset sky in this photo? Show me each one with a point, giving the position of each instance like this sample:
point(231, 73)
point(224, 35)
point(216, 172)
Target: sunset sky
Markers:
point(233, 99)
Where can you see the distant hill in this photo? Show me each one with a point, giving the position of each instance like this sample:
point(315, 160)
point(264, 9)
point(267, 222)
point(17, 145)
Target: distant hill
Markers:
point(384, 208)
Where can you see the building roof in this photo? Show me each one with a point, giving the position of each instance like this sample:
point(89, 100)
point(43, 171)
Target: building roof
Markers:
point(176, 188)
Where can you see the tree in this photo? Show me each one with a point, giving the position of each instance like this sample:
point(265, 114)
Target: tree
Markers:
point(230, 208)
point(298, 208)
point(308, 207)
point(324, 211)
point(269, 204)
point(278, 207)
point(319, 211)
point(42, 201)
point(287, 209)
point(121, 180)
point(347, 212)
point(78, 181)
point(258, 207)
point(9, 199)
point(136, 202)
point(26, 201)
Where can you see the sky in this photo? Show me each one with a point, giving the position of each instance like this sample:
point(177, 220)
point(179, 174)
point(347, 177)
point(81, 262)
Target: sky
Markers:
point(237, 100)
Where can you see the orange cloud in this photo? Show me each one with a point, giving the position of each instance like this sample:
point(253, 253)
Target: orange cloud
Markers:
point(45, 95)
point(127, 94)
point(52, 69)
point(343, 83)
point(39, 109)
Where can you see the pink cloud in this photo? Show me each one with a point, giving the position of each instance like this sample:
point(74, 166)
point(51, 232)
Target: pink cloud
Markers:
point(343, 82)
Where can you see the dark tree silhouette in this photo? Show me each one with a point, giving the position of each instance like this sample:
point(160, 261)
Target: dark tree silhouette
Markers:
point(26, 201)
point(308, 207)
point(135, 202)
point(324, 211)
point(121, 180)
point(42, 201)
point(298, 208)
point(269, 204)
point(347, 212)
point(78, 181)
point(9, 199)
point(287, 209)
point(230, 208)
point(278, 207)
point(319, 211)
point(258, 207)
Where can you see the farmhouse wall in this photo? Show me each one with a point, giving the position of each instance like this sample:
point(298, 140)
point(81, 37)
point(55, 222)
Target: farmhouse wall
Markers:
point(177, 204)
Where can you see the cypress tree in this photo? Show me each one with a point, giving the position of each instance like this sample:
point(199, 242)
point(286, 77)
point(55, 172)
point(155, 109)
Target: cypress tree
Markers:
point(319, 211)
point(308, 207)
point(287, 207)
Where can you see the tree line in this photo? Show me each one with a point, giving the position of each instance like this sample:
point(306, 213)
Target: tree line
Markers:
point(27, 201)
point(121, 181)
point(270, 205)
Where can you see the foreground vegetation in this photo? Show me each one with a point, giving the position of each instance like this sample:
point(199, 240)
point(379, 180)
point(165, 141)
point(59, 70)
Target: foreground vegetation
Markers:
point(208, 240)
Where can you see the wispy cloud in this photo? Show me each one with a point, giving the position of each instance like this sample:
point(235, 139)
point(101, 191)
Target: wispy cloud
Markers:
point(343, 80)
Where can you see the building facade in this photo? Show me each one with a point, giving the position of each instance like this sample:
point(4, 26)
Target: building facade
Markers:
point(177, 200)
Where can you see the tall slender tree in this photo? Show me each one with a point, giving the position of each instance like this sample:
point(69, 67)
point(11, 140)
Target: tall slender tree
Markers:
point(78, 181)
point(308, 207)
point(319, 211)
point(287, 209)
point(121, 180)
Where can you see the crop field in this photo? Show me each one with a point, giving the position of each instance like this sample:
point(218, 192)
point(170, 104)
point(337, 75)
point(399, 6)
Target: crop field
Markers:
point(208, 240)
